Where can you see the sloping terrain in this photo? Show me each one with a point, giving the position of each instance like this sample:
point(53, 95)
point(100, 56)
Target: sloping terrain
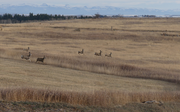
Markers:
point(145, 64)
point(21, 73)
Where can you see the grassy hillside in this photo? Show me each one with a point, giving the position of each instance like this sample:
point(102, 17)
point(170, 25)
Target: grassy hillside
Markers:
point(144, 64)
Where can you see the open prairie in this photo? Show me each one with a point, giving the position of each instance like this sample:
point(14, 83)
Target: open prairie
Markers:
point(145, 62)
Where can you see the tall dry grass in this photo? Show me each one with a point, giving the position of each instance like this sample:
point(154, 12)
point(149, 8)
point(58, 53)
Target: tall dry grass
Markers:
point(96, 98)
point(141, 30)
point(98, 65)
point(111, 68)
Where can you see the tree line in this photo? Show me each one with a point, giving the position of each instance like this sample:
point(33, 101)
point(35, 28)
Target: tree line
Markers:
point(17, 18)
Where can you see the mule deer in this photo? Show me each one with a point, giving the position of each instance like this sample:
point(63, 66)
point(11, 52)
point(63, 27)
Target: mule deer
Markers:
point(26, 49)
point(26, 57)
point(108, 55)
point(98, 54)
point(81, 52)
point(40, 59)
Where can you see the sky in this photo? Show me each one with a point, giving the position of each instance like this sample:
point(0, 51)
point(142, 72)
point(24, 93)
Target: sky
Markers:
point(149, 4)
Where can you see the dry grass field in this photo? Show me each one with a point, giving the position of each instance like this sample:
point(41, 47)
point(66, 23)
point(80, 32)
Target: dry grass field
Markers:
point(145, 65)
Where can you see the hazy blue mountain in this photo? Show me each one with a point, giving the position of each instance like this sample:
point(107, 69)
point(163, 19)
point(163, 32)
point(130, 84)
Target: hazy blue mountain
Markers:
point(68, 10)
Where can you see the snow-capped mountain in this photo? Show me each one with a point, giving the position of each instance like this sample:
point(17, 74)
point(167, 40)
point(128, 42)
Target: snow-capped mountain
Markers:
point(69, 10)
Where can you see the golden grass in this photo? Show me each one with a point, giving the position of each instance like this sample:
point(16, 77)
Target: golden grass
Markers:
point(96, 98)
point(25, 74)
point(138, 51)
point(24, 81)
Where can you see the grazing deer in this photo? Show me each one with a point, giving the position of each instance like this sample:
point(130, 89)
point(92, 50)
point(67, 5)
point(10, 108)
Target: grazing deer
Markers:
point(98, 54)
point(26, 57)
point(108, 55)
point(40, 59)
point(26, 49)
point(81, 52)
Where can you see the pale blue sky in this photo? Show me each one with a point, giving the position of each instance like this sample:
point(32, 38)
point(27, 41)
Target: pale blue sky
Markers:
point(150, 4)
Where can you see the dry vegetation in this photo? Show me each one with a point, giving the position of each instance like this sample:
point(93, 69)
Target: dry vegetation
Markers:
point(144, 64)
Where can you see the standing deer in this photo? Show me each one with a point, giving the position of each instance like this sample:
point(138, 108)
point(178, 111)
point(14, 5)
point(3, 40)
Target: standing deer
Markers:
point(98, 54)
point(108, 55)
point(81, 52)
point(26, 57)
point(26, 49)
point(40, 59)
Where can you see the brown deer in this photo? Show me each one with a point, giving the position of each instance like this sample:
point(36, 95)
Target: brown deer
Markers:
point(81, 52)
point(108, 55)
point(26, 57)
point(40, 59)
point(26, 49)
point(98, 54)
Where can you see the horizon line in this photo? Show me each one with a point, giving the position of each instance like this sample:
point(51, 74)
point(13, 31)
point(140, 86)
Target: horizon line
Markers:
point(83, 6)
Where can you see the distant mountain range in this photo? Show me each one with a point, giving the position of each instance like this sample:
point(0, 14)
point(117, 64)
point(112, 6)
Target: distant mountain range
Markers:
point(68, 10)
